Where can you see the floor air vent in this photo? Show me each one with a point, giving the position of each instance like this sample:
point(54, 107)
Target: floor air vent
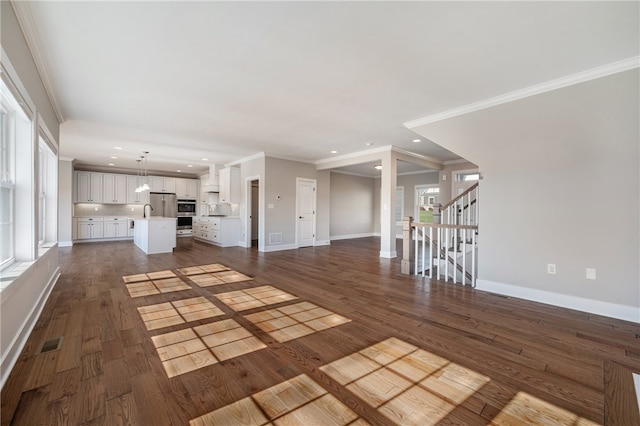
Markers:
point(51, 345)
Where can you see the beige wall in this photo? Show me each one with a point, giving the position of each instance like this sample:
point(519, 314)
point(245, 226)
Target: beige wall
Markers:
point(280, 181)
point(561, 185)
point(445, 183)
point(352, 206)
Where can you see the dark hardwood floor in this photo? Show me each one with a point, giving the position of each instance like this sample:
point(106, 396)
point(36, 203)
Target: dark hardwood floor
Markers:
point(506, 361)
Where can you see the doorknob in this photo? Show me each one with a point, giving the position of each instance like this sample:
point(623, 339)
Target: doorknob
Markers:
point(301, 217)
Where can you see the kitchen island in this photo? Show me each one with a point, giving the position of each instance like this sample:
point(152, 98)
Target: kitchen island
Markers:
point(155, 234)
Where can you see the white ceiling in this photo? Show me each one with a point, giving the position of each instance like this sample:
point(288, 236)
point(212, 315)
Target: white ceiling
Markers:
point(227, 80)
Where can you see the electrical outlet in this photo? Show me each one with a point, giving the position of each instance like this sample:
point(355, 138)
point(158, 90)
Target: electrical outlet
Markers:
point(591, 273)
point(132, 209)
point(551, 268)
point(95, 209)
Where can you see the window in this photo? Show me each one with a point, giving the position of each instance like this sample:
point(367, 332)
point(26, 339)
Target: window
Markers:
point(12, 119)
point(467, 177)
point(427, 196)
point(18, 185)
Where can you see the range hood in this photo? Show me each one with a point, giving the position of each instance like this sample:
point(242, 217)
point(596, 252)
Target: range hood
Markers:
point(212, 184)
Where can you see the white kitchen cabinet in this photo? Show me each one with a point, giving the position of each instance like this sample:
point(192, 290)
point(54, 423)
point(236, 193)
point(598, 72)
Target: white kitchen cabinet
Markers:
point(88, 187)
point(220, 231)
point(229, 179)
point(134, 197)
point(114, 189)
point(162, 184)
point(116, 227)
point(187, 188)
point(90, 228)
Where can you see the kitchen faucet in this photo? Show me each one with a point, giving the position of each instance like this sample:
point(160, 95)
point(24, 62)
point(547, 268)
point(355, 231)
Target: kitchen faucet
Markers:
point(144, 210)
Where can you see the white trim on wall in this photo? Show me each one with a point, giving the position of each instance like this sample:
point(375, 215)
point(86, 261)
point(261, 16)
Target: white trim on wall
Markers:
point(10, 357)
point(548, 86)
point(280, 247)
point(350, 236)
point(623, 312)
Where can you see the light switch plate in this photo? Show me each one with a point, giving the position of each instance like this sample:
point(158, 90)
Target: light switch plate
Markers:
point(551, 268)
point(591, 273)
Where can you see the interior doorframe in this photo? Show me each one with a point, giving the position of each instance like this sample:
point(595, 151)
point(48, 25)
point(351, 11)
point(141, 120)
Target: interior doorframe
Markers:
point(247, 212)
point(315, 208)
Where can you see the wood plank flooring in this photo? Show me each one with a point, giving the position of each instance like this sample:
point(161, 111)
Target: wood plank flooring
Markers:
point(325, 335)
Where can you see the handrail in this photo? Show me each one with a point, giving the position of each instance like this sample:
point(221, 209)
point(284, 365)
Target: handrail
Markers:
point(455, 200)
point(444, 225)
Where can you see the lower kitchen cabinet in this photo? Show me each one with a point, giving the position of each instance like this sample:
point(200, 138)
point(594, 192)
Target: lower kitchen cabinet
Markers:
point(89, 228)
point(101, 228)
point(116, 228)
point(220, 231)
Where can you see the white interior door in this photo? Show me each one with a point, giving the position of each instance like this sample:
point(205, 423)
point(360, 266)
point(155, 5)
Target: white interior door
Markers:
point(305, 212)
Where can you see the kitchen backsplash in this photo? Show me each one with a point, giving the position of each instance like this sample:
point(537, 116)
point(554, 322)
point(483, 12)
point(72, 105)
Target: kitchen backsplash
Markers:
point(84, 209)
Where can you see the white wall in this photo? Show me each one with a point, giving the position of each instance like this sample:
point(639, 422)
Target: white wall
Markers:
point(561, 185)
point(65, 202)
point(352, 206)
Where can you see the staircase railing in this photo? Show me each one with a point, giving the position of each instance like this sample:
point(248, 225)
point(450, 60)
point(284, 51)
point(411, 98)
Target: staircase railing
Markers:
point(449, 248)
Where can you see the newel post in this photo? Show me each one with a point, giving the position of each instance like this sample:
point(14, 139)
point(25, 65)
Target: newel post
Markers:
point(407, 247)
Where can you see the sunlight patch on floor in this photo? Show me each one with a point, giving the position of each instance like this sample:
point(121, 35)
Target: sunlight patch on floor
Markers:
point(178, 312)
point(241, 300)
point(294, 321)
point(197, 347)
point(298, 401)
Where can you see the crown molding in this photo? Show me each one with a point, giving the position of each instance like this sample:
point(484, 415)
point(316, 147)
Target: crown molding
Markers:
point(245, 159)
point(581, 77)
point(28, 26)
point(355, 154)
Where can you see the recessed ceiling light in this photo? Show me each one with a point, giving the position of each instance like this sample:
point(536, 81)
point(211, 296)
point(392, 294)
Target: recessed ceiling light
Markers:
point(111, 164)
point(369, 143)
point(189, 165)
point(179, 171)
point(334, 151)
point(115, 158)
point(205, 159)
point(378, 167)
point(417, 140)
point(117, 147)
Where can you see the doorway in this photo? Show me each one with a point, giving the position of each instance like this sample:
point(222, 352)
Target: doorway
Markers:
point(252, 222)
point(305, 212)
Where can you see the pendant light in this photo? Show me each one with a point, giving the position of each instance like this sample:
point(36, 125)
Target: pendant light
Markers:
point(145, 186)
point(138, 186)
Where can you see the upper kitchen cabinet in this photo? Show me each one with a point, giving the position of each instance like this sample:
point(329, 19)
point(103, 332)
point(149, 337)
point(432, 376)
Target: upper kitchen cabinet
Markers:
point(162, 184)
point(114, 189)
point(88, 187)
point(187, 188)
point(134, 197)
point(229, 179)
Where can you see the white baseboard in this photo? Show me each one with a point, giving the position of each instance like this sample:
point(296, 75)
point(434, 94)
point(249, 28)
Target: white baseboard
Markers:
point(351, 236)
point(322, 243)
point(17, 344)
point(388, 254)
point(623, 312)
point(280, 247)
point(65, 243)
